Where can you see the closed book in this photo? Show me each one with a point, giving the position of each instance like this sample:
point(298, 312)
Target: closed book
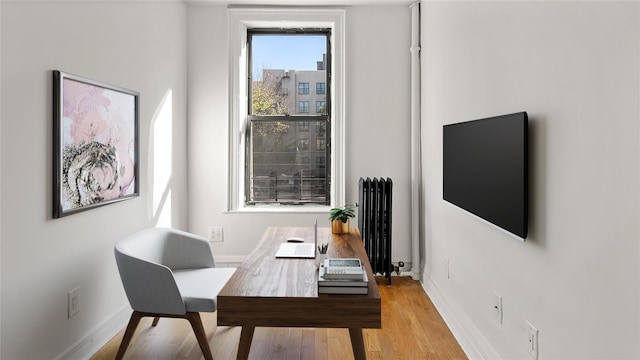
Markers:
point(332, 274)
point(362, 282)
point(344, 290)
point(343, 276)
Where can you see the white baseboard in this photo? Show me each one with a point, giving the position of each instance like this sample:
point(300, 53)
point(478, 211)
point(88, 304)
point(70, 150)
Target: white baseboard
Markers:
point(96, 339)
point(473, 343)
point(229, 260)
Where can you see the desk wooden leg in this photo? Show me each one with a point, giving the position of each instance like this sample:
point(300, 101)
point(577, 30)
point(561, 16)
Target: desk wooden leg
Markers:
point(245, 342)
point(357, 344)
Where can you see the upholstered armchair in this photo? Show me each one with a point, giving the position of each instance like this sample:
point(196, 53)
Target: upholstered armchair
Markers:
point(169, 273)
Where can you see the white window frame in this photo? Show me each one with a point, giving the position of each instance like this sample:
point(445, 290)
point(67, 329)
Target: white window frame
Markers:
point(241, 19)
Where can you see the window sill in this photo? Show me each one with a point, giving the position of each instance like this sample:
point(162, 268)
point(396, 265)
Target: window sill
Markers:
point(280, 209)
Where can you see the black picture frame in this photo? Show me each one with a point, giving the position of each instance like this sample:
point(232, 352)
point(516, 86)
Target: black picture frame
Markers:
point(96, 148)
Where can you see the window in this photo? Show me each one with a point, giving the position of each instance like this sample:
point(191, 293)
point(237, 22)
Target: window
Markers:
point(276, 171)
point(303, 107)
point(269, 161)
point(303, 88)
point(320, 144)
point(321, 88)
point(303, 144)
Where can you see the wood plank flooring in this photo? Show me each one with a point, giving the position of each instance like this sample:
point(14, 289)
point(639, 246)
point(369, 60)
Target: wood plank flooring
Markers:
point(411, 329)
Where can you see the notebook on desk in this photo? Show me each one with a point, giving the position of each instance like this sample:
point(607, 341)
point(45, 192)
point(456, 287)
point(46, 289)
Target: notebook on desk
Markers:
point(300, 250)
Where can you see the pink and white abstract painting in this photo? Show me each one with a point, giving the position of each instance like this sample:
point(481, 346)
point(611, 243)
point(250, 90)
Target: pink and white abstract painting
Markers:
point(97, 145)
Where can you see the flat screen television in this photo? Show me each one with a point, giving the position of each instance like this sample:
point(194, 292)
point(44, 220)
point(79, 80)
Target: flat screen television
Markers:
point(485, 172)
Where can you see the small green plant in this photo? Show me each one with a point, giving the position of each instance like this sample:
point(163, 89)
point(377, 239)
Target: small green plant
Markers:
point(343, 213)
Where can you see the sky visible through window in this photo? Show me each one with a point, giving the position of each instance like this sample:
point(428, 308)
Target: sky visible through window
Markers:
point(287, 52)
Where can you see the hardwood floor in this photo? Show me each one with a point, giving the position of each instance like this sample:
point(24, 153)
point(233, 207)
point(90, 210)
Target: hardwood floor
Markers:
point(411, 329)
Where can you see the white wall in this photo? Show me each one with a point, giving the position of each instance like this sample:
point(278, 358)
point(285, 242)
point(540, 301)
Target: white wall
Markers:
point(377, 124)
point(135, 45)
point(573, 66)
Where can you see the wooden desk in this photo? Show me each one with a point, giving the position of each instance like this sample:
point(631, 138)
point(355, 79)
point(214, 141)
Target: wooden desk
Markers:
point(270, 292)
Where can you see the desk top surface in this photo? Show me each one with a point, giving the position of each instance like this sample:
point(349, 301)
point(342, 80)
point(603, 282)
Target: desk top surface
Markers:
point(263, 275)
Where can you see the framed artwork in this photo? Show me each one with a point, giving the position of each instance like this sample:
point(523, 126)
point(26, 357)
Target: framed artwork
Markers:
point(96, 145)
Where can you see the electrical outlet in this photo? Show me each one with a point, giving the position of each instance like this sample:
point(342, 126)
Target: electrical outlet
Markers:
point(215, 234)
point(532, 341)
point(497, 307)
point(446, 268)
point(73, 302)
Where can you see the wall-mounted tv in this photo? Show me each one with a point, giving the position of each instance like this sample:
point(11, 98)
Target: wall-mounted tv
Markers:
point(485, 172)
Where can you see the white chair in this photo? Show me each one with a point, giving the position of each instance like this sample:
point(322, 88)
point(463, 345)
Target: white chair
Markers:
point(169, 273)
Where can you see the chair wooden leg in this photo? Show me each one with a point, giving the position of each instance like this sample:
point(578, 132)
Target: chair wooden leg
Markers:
point(198, 329)
point(193, 317)
point(128, 334)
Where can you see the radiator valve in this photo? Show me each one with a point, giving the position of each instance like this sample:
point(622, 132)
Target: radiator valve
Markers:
point(396, 268)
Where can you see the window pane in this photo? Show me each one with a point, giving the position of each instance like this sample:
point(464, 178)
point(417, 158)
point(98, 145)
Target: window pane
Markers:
point(281, 170)
point(283, 67)
point(303, 107)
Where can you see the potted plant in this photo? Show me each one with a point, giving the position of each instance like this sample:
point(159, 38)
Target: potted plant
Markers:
point(339, 218)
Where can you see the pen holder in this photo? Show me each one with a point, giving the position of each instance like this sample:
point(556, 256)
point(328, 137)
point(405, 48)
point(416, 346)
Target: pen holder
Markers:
point(320, 258)
point(321, 254)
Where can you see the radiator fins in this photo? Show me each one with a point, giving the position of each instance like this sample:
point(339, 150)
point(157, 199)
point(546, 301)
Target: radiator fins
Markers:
point(374, 222)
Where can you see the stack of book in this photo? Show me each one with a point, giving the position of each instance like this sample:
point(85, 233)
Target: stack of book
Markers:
point(342, 276)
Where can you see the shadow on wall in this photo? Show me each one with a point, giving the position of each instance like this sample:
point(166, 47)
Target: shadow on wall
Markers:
point(537, 180)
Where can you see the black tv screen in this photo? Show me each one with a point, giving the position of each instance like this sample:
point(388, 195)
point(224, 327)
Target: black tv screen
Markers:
point(485, 169)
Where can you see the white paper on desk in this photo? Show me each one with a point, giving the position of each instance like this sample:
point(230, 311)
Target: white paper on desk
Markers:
point(293, 250)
